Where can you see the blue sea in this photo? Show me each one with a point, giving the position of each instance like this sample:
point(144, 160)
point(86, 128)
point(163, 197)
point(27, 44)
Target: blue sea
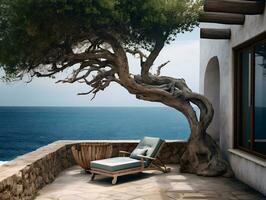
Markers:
point(24, 129)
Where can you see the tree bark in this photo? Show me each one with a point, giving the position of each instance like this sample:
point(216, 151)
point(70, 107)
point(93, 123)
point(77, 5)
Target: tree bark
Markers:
point(202, 155)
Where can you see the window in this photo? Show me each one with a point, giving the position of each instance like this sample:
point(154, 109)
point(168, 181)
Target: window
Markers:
point(250, 96)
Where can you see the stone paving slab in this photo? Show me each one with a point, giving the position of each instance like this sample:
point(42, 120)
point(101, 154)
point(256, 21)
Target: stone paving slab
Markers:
point(74, 184)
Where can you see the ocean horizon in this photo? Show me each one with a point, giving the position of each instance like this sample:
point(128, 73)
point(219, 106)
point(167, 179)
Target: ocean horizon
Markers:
point(26, 128)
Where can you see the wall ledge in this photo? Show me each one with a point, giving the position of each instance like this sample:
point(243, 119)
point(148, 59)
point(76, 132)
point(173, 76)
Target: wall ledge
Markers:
point(65, 142)
point(24, 176)
point(249, 157)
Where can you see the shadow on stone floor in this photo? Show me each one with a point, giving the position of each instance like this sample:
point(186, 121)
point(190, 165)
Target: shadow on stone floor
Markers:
point(190, 186)
point(100, 180)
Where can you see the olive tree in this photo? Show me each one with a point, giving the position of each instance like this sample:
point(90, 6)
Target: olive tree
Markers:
point(93, 38)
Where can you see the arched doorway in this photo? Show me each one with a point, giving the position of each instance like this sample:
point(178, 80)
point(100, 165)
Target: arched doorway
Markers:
point(212, 92)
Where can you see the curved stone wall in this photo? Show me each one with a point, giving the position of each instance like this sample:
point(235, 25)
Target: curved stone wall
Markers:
point(21, 178)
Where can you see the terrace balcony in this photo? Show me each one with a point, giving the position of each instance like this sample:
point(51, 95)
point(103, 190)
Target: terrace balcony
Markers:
point(50, 173)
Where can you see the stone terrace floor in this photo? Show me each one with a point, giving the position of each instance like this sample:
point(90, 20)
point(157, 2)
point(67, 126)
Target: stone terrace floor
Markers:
point(74, 184)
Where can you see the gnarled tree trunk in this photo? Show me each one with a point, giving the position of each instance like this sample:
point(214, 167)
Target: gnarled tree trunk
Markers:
point(202, 155)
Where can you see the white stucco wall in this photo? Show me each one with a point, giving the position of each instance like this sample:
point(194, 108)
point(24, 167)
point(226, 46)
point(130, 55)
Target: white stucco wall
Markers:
point(249, 169)
point(223, 49)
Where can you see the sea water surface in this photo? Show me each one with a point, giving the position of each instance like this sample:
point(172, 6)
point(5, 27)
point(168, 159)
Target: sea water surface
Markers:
point(24, 129)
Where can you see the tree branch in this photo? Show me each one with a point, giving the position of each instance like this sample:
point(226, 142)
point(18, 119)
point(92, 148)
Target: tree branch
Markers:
point(139, 52)
point(100, 54)
point(160, 67)
point(145, 67)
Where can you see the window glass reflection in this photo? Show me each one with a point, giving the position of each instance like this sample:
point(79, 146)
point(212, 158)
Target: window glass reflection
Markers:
point(245, 60)
point(260, 99)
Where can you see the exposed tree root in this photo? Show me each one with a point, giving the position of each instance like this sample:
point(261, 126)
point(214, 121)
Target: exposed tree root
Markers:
point(202, 157)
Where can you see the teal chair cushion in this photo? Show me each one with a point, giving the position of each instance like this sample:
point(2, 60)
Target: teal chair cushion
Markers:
point(151, 144)
point(137, 152)
point(115, 164)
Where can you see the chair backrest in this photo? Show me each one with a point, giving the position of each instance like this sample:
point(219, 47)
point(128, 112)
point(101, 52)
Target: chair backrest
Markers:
point(152, 144)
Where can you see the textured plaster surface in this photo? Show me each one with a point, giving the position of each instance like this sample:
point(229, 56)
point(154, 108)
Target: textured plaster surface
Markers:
point(247, 166)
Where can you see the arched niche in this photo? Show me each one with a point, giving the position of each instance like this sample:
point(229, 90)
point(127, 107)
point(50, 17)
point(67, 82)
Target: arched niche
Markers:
point(212, 92)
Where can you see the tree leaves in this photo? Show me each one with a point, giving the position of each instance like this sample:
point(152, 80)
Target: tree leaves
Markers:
point(33, 30)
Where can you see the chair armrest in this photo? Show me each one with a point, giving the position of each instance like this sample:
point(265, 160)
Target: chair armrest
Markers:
point(143, 158)
point(124, 152)
point(146, 157)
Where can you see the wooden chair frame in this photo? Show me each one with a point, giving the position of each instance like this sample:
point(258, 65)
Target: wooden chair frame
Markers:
point(155, 164)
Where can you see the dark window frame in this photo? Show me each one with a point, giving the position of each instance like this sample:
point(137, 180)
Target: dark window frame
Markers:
point(250, 44)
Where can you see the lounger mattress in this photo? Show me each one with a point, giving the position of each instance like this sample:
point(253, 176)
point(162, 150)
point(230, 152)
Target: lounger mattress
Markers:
point(115, 164)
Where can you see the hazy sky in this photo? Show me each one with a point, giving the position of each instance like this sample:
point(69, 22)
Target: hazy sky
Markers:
point(183, 54)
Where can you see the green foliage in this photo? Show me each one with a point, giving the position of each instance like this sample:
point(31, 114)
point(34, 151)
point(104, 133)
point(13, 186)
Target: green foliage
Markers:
point(33, 30)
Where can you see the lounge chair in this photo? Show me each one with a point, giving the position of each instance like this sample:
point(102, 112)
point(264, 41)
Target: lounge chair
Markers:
point(143, 158)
